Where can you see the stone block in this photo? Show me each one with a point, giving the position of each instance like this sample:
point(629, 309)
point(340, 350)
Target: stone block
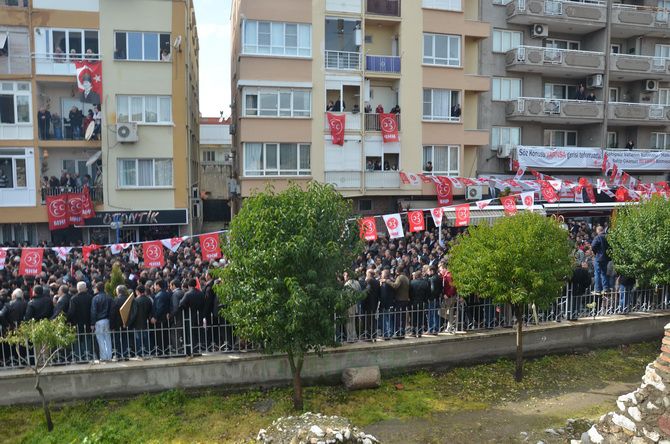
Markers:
point(357, 378)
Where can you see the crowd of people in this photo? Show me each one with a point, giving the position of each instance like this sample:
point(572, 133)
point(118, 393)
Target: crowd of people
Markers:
point(50, 125)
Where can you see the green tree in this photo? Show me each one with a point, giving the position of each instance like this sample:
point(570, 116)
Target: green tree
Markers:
point(639, 241)
point(47, 337)
point(115, 279)
point(281, 290)
point(520, 260)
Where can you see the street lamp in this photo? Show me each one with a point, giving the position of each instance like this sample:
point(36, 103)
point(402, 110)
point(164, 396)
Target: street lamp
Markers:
point(117, 224)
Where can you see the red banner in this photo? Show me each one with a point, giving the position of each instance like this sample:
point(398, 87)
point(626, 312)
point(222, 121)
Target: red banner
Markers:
point(89, 81)
point(74, 207)
point(87, 210)
point(445, 193)
point(368, 228)
point(462, 215)
point(86, 251)
point(389, 126)
point(3, 258)
point(416, 221)
point(209, 246)
point(152, 252)
point(548, 192)
point(336, 123)
point(57, 212)
point(509, 205)
point(31, 261)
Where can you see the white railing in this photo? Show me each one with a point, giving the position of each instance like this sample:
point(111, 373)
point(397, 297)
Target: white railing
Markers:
point(343, 60)
point(344, 179)
point(654, 110)
point(59, 64)
point(386, 64)
point(372, 122)
point(382, 179)
point(658, 64)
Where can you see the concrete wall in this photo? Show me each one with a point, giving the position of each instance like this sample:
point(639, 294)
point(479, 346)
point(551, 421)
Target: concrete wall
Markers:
point(252, 370)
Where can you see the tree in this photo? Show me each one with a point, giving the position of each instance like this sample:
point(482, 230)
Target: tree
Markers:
point(280, 289)
point(48, 337)
point(639, 241)
point(115, 279)
point(520, 260)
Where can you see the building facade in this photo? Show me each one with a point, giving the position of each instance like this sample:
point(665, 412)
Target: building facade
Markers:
point(216, 171)
point(141, 163)
point(293, 60)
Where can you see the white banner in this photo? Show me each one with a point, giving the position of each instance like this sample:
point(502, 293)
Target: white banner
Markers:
point(591, 158)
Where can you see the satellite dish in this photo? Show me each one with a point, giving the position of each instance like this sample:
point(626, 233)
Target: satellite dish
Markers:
point(89, 131)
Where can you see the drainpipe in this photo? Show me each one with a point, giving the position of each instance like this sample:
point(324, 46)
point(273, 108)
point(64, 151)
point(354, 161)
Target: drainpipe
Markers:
point(606, 77)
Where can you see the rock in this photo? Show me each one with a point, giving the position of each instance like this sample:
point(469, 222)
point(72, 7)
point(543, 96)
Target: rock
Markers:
point(651, 406)
point(552, 432)
point(621, 406)
point(638, 440)
point(653, 379)
point(593, 436)
point(339, 437)
point(635, 413)
point(367, 441)
point(654, 436)
point(575, 441)
point(317, 431)
point(624, 422)
point(357, 378)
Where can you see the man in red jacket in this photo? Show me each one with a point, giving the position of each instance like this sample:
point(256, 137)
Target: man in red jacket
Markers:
point(448, 297)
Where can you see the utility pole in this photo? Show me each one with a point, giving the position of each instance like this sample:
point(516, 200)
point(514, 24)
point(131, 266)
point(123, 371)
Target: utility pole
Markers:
point(606, 77)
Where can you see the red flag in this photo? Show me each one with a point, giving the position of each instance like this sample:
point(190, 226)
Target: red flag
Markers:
point(87, 210)
point(336, 123)
point(209, 246)
point(31, 261)
point(437, 214)
point(394, 225)
point(462, 215)
point(548, 192)
point(605, 165)
point(445, 194)
point(74, 206)
point(3, 258)
point(87, 250)
point(152, 253)
point(509, 204)
point(416, 221)
point(89, 80)
point(424, 178)
point(368, 228)
point(389, 125)
point(528, 200)
point(57, 212)
point(590, 193)
point(622, 195)
point(615, 170)
point(403, 178)
point(197, 284)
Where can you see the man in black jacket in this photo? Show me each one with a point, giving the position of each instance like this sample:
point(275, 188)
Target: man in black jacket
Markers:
point(192, 305)
point(138, 321)
point(79, 314)
point(370, 305)
point(159, 314)
point(40, 306)
point(14, 311)
point(119, 331)
point(419, 292)
point(435, 282)
point(581, 281)
point(176, 317)
point(386, 305)
point(101, 309)
point(63, 301)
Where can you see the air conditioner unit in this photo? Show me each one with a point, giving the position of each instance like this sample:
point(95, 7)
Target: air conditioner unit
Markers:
point(126, 132)
point(474, 192)
point(504, 150)
point(197, 208)
point(538, 31)
point(232, 129)
point(521, 54)
point(650, 85)
point(594, 81)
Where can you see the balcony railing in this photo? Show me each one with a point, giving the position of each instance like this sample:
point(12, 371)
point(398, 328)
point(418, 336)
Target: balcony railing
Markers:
point(60, 64)
point(95, 192)
point(385, 64)
point(382, 179)
point(541, 109)
point(383, 7)
point(644, 113)
point(587, 12)
point(639, 64)
point(15, 64)
point(352, 121)
point(639, 16)
point(17, 3)
point(548, 59)
point(343, 60)
point(344, 179)
point(372, 122)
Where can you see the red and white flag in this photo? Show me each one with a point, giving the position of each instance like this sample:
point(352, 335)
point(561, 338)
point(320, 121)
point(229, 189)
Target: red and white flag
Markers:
point(409, 178)
point(528, 200)
point(74, 206)
point(437, 214)
point(87, 210)
point(173, 243)
point(444, 191)
point(548, 192)
point(62, 252)
point(3, 258)
point(89, 81)
point(509, 205)
point(31, 261)
point(520, 172)
point(607, 164)
point(556, 184)
point(425, 179)
point(462, 215)
point(118, 248)
point(394, 225)
point(614, 173)
point(57, 212)
point(481, 204)
point(87, 250)
point(336, 123)
point(466, 182)
point(368, 227)
point(152, 253)
point(416, 221)
point(389, 126)
point(209, 246)
point(589, 192)
point(134, 258)
point(456, 182)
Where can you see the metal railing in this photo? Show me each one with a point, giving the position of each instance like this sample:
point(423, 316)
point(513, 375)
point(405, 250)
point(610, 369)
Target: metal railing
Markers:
point(383, 64)
point(372, 122)
point(343, 60)
point(95, 192)
point(383, 7)
point(60, 64)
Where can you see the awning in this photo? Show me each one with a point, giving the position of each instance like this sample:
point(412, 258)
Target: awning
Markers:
point(488, 214)
point(585, 207)
point(91, 160)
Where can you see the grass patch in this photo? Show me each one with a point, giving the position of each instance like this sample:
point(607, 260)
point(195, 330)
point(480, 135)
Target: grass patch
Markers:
point(176, 416)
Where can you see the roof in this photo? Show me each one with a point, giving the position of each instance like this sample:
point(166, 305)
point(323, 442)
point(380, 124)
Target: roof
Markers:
point(214, 121)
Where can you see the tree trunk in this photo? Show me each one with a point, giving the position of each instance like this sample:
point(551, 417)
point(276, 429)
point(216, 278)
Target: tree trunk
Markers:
point(45, 406)
point(518, 312)
point(296, 369)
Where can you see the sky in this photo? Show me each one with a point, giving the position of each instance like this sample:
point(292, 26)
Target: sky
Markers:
point(213, 21)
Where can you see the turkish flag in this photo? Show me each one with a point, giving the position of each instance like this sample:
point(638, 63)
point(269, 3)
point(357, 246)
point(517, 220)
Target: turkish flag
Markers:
point(209, 246)
point(336, 123)
point(87, 210)
point(89, 80)
point(445, 193)
point(368, 228)
point(3, 258)
point(57, 212)
point(548, 192)
point(152, 252)
point(437, 214)
point(462, 215)
point(528, 200)
point(394, 225)
point(87, 250)
point(389, 125)
point(74, 206)
point(31, 261)
point(416, 221)
point(509, 205)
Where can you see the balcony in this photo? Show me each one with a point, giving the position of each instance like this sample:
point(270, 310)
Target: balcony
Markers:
point(95, 192)
point(372, 122)
point(343, 60)
point(15, 64)
point(383, 7)
point(551, 61)
point(59, 64)
point(634, 20)
point(16, 3)
point(574, 17)
point(643, 114)
point(382, 179)
point(352, 122)
point(344, 179)
point(557, 111)
point(346, 6)
point(382, 64)
point(626, 67)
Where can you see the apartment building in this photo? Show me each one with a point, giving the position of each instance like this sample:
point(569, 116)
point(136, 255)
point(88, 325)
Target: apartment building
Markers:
point(141, 163)
point(539, 54)
point(216, 168)
point(293, 60)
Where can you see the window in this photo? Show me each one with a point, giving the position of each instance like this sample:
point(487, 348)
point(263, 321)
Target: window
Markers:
point(365, 205)
point(443, 158)
point(612, 139)
point(276, 159)
point(660, 141)
point(279, 102)
point(13, 166)
point(441, 104)
point(145, 173)
point(448, 5)
point(504, 40)
point(19, 233)
point(664, 96)
point(559, 92)
point(144, 109)
point(15, 101)
point(277, 38)
point(142, 46)
point(444, 50)
point(561, 44)
point(501, 2)
point(209, 156)
point(560, 138)
point(506, 88)
point(501, 135)
point(614, 94)
point(67, 43)
point(615, 48)
point(662, 51)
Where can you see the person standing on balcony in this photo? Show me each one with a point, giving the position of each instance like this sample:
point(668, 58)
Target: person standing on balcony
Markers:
point(44, 122)
point(330, 106)
point(630, 145)
point(591, 97)
point(76, 118)
point(57, 122)
point(581, 92)
point(379, 109)
point(368, 108)
point(339, 106)
point(97, 118)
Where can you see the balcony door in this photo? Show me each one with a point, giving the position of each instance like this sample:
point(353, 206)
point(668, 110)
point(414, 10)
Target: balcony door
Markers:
point(664, 96)
point(555, 91)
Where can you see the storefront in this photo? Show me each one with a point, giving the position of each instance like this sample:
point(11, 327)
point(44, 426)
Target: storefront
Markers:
point(136, 226)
